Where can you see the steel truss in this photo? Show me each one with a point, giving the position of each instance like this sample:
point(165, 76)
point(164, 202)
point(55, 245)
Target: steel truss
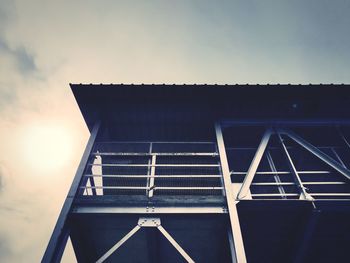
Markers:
point(338, 165)
point(234, 192)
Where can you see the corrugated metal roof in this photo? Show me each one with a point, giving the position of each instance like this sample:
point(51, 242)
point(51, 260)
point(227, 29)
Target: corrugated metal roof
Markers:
point(230, 100)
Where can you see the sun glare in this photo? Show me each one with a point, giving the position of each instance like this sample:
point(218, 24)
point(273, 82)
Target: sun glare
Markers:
point(46, 148)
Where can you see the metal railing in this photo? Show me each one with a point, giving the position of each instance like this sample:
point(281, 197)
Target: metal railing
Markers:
point(153, 168)
point(287, 164)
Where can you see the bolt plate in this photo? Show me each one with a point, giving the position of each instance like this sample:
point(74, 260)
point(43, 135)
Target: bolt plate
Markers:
point(149, 222)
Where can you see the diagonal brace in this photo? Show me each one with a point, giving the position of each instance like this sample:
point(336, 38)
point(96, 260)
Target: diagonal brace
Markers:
point(317, 152)
point(255, 163)
point(146, 222)
point(118, 244)
point(299, 183)
point(175, 244)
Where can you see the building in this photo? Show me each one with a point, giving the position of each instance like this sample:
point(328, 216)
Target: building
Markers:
point(210, 173)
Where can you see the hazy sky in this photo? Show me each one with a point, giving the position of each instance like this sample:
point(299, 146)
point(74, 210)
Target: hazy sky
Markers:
point(44, 45)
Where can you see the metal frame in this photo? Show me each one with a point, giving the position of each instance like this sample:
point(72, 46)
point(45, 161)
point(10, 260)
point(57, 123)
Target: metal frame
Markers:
point(303, 194)
point(338, 165)
point(59, 237)
point(149, 210)
point(254, 164)
point(318, 153)
point(146, 222)
point(232, 194)
point(237, 250)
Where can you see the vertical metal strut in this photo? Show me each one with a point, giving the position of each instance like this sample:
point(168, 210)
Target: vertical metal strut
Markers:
point(238, 253)
point(254, 165)
point(303, 194)
point(59, 237)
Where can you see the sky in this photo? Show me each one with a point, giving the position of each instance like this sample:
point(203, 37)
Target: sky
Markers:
point(45, 45)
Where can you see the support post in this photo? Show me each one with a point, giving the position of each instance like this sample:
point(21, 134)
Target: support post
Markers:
point(153, 171)
point(55, 248)
point(238, 253)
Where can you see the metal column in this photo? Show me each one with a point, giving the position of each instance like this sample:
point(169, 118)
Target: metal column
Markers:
point(238, 253)
point(60, 233)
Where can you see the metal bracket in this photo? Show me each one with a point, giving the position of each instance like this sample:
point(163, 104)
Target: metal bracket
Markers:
point(149, 222)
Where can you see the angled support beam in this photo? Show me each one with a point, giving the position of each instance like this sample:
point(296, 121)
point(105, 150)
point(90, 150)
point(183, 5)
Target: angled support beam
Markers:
point(118, 244)
point(254, 165)
point(317, 152)
point(237, 250)
point(343, 136)
point(303, 194)
point(147, 222)
point(55, 248)
point(175, 244)
point(275, 176)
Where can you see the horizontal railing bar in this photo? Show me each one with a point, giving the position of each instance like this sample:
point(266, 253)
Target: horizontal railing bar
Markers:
point(312, 194)
point(116, 187)
point(157, 176)
point(314, 172)
point(330, 194)
point(282, 183)
point(277, 148)
point(278, 172)
point(148, 188)
point(305, 183)
point(286, 172)
point(323, 183)
point(154, 153)
point(284, 194)
point(155, 165)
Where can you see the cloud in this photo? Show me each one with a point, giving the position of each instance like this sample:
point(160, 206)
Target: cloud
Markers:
point(23, 59)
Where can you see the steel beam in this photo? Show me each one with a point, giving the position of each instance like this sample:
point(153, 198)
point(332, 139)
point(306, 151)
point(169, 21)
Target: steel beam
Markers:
point(118, 244)
point(254, 165)
point(275, 175)
point(175, 244)
point(238, 253)
point(317, 152)
point(55, 248)
point(299, 183)
point(148, 210)
point(329, 122)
